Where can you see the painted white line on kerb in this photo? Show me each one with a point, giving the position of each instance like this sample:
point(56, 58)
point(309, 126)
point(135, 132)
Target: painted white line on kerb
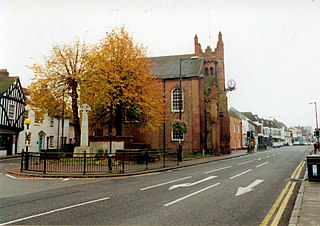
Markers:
point(245, 162)
point(215, 170)
point(192, 194)
point(262, 164)
point(54, 211)
point(169, 182)
point(8, 175)
point(247, 171)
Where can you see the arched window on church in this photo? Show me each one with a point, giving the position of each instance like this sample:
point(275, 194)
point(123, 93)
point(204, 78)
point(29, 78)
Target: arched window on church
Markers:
point(206, 71)
point(211, 70)
point(175, 100)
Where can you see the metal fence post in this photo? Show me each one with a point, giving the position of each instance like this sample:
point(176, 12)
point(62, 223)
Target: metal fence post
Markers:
point(84, 162)
point(146, 159)
point(21, 163)
point(45, 163)
point(122, 171)
point(27, 161)
point(164, 158)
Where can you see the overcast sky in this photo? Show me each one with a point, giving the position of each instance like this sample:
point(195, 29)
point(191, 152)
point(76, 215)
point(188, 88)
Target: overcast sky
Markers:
point(272, 48)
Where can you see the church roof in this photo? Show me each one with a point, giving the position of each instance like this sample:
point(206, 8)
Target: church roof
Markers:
point(169, 66)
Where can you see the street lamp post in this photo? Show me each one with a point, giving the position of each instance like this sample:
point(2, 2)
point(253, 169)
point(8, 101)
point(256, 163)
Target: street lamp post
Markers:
point(180, 104)
point(27, 122)
point(316, 113)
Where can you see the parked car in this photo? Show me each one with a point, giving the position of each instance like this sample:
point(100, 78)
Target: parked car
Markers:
point(277, 145)
point(296, 143)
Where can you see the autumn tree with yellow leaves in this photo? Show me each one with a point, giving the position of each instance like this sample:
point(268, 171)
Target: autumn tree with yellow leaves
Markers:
point(114, 77)
point(55, 87)
point(120, 88)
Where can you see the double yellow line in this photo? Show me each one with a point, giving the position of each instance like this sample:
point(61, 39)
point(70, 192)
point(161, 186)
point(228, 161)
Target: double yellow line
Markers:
point(282, 201)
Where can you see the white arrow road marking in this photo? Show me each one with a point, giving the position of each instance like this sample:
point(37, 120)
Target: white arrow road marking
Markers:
point(191, 184)
point(169, 182)
point(192, 194)
point(215, 170)
point(243, 190)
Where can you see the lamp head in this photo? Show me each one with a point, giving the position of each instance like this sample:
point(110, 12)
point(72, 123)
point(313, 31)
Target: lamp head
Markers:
point(27, 121)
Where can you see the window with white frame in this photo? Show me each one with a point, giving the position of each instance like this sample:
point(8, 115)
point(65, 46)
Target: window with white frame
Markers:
point(11, 111)
point(175, 136)
point(175, 100)
point(51, 141)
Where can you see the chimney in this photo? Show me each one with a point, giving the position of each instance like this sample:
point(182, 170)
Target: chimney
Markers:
point(4, 73)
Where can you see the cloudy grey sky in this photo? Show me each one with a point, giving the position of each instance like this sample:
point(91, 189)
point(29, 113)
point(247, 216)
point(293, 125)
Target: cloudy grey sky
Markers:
point(272, 48)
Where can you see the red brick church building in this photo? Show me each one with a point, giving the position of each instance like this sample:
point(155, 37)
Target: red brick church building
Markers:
point(204, 101)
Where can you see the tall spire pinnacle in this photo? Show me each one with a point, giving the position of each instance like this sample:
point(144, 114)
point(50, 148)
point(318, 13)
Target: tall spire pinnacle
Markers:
point(219, 49)
point(220, 37)
point(197, 46)
point(209, 26)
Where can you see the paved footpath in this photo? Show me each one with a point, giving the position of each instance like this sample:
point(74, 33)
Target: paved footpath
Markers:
point(307, 207)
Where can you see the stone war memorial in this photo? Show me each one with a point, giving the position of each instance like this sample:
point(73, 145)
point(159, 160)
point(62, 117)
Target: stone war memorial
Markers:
point(84, 139)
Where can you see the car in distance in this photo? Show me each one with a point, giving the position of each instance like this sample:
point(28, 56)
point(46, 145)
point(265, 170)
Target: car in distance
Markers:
point(277, 145)
point(296, 143)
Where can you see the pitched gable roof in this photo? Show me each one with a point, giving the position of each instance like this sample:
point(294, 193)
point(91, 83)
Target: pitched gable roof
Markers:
point(279, 125)
point(250, 116)
point(235, 113)
point(169, 66)
point(6, 82)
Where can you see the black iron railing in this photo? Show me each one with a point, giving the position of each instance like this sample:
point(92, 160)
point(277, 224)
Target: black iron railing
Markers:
point(91, 163)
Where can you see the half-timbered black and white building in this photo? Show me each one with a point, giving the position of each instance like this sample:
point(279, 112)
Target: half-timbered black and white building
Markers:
point(12, 107)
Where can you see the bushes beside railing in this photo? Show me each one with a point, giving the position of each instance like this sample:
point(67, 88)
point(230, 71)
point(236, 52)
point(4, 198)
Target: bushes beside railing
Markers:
point(86, 163)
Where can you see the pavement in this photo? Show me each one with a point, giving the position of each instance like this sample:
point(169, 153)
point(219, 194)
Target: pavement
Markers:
point(306, 210)
point(307, 206)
